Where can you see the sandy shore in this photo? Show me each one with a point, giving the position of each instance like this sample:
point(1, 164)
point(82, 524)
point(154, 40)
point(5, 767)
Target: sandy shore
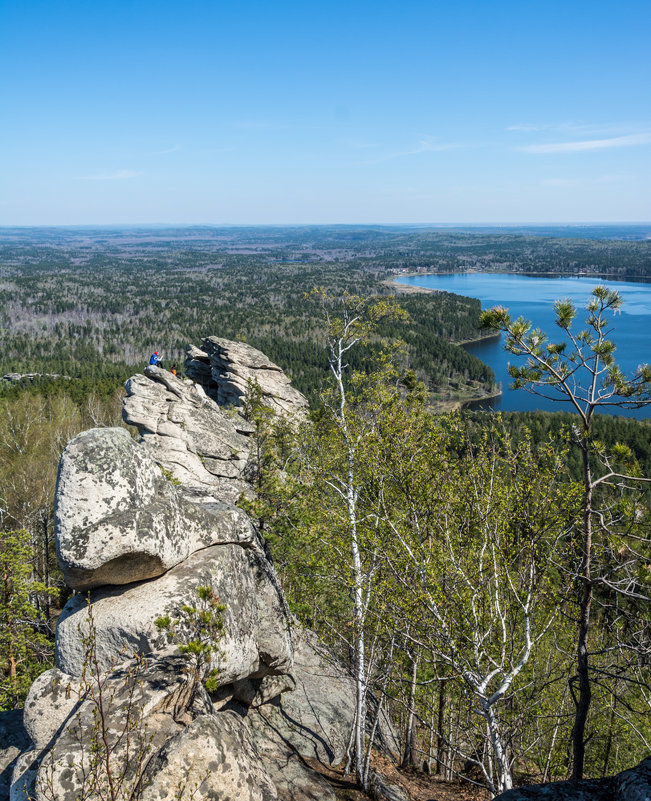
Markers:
point(406, 289)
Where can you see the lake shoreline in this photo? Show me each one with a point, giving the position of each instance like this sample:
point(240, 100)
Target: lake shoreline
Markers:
point(533, 297)
point(487, 337)
point(410, 289)
point(459, 404)
point(642, 278)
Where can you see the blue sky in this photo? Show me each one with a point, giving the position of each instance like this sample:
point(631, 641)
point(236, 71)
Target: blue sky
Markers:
point(357, 112)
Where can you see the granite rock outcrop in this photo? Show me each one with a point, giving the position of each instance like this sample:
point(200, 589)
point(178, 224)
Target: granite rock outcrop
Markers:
point(119, 520)
point(140, 526)
point(202, 446)
point(227, 369)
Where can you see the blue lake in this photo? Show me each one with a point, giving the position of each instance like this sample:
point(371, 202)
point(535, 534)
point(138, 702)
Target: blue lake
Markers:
point(533, 297)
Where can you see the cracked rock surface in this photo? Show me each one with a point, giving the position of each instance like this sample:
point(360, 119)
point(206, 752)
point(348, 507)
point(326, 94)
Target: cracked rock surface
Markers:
point(119, 520)
point(226, 368)
point(256, 638)
point(187, 433)
point(139, 527)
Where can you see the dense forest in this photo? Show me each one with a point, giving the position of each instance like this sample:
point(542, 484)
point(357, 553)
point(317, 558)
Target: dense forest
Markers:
point(86, 302)
point(80, 305)
point(466, 593)
point(487, 578)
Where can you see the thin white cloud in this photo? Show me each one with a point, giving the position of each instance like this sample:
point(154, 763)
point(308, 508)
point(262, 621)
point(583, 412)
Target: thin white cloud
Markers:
point(589, 144)
point(572, 128)
point(428, 144)
point(606, 178)
point(169, 150)
point(118, 175)
point(609, 178)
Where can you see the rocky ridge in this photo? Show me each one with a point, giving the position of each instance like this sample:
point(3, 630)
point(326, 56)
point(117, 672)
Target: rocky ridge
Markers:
point(202, 446)
point(140, 525)
point(14, 378)
point(227, 369)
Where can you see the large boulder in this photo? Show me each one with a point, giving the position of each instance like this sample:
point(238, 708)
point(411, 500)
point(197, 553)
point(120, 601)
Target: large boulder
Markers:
point(256, 639)
point(316, 718)
point(208, 754)
point(120, 719)
point(158, 731)
point(630, 785)
point(187, 433)
point(587, 790)
point(634, 784)
point(215, 757)
point(119, 520)
point(228, 369)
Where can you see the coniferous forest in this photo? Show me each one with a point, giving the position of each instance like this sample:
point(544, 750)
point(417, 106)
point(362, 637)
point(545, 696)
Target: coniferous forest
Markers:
point(457, 586)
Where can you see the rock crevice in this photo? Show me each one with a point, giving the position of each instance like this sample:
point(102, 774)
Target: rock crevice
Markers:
point(227, 369)
point(140, 526)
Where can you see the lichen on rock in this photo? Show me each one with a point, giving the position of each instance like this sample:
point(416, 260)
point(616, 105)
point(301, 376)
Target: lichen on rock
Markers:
point(140, 526)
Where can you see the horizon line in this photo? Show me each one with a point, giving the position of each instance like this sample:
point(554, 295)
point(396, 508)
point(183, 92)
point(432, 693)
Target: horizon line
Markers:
point(499, 224)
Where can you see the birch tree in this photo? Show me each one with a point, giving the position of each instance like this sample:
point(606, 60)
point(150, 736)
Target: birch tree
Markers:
point(470, 532)
point(351, 408)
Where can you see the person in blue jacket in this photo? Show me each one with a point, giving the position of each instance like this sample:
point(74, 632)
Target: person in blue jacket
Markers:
point(156, 360)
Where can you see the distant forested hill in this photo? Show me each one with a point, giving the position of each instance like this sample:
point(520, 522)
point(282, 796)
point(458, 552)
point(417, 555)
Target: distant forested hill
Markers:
point(93, 303)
